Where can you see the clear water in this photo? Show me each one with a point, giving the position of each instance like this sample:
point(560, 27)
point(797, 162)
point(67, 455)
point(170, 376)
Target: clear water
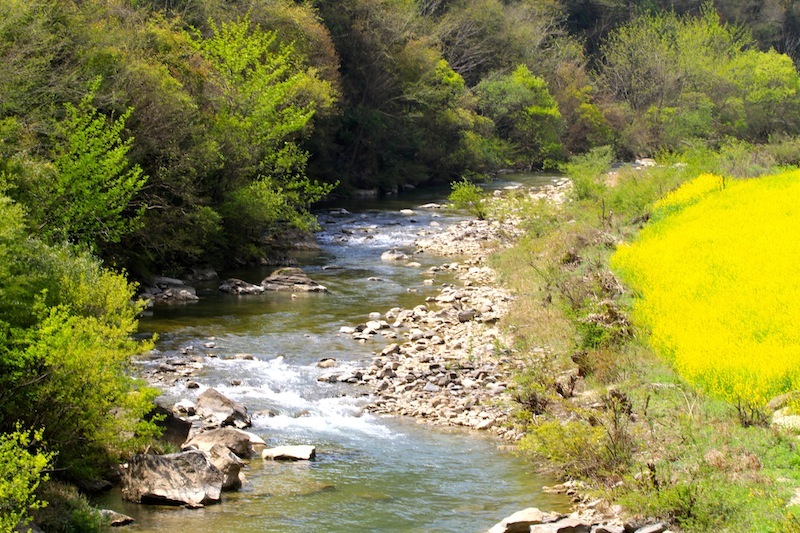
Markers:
point(371, 473)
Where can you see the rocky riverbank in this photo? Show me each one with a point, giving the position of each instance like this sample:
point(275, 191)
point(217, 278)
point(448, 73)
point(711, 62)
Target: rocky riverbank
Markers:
point(446, 361)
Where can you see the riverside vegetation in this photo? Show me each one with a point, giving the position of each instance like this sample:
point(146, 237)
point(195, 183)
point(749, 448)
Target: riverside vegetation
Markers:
point(151, 136)
point(651, 365)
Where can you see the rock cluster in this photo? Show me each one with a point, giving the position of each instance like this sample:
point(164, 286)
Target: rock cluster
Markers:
point(211, 460)
point(446, 361)
point(287, 279)
point(535, 521)
point(446, 365)
point(169, 290)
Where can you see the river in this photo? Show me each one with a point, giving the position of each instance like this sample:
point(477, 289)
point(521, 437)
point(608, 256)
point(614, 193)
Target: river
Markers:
point(371, 473)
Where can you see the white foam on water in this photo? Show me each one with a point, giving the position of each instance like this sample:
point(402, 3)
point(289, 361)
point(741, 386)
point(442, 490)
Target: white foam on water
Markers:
point(327, 417)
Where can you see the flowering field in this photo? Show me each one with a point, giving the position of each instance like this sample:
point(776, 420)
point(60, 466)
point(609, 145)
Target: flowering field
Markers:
point(718, 276)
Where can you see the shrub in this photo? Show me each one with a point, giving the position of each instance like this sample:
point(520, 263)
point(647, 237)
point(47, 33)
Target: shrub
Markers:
point(470, 197)
point(586, 172)
point(66, 339)
point(575, 446)
point(20, 475)
point(67, 511)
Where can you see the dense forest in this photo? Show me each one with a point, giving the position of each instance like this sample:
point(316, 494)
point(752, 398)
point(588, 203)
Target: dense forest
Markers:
point(149, 136)
point(163, 134)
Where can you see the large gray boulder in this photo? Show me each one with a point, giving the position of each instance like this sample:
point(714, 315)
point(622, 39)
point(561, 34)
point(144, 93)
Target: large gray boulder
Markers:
point(230, 466)
point(242, 443)
point(291, 279)
point(219, 410)
point(186, 478)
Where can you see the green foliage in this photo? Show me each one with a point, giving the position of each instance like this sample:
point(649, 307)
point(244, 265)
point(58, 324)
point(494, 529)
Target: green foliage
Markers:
point(21, 471)
point(693, 77)
point(470, 197)
point(265, 107)
point(263, 207)
point(257, 111)
point(29, 45)
point(525, 114)
point(587, 172)
point(66, 327)
point(84, 196)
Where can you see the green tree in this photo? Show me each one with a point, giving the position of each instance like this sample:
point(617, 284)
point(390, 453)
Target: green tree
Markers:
point(525, 114)
point(21, 472)
point(85, 196)
point(693, 77)
point(66, 339)
point(267, 101)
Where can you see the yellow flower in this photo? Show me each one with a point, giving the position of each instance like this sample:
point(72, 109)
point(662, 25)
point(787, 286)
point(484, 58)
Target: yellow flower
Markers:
point(719, 279)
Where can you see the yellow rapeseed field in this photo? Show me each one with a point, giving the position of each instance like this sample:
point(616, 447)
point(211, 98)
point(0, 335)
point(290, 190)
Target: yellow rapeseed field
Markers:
point(718, 280)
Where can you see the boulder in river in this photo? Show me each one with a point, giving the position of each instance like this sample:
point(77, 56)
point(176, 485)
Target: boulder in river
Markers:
point(290, 453)
point(291, 279)
point(394, 255)
point(237, 286)
point(242, 443)
point(174, 429)
point(186, 478)
point(169, 290)
point(229, 464)
point(220, 411)
point(115, 519)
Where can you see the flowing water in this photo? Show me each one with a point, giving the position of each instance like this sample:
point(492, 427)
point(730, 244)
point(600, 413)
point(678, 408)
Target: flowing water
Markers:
point(371, 473)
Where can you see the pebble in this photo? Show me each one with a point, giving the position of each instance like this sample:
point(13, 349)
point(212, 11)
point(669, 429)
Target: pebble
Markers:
point(440, 364)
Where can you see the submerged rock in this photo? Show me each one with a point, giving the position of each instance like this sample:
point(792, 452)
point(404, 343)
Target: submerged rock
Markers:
point(115, 519)
point(290, 453)
point(394, 255)
point(291, 279)
point(202, 274)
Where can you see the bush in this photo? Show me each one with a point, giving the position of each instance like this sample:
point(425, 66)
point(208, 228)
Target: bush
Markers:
point(586, 172)
point(67, 511)
point(20, 475)
point(470, 197)
point(575, 446)
point(66, 339)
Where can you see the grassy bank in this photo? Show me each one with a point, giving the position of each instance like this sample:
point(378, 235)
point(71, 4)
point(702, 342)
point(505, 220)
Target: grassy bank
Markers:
point(603, 399)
